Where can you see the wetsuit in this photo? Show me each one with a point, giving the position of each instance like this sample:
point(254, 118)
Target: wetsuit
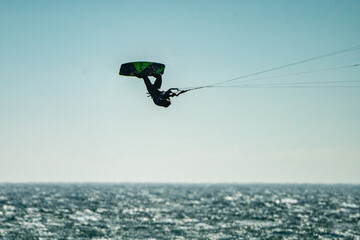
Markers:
point(160, 98)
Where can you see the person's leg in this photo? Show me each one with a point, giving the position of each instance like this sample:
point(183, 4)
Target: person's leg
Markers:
point(148, 84)
point(158, 81)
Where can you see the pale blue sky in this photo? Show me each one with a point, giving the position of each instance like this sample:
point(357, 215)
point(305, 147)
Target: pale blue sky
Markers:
point(66, 115)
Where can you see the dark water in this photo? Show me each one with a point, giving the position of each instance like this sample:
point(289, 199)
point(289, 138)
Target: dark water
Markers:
point(174, 211)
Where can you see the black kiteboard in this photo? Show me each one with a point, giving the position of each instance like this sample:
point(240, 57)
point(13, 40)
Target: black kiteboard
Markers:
point(141, 69)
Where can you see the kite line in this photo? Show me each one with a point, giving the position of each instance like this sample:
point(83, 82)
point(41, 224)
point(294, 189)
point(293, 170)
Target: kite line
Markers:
point(220, 84)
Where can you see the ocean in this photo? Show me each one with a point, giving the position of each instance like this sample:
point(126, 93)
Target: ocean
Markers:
point(179, 211)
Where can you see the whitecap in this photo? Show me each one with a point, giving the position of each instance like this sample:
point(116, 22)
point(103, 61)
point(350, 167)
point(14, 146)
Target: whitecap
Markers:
point(349, 205)
point(259, 223)
point(204, 226)
point(32, 210)
point(229, 198)
point(34, 225)
point(289, 200)
point(168, 220)
point(189, 220)
point(218, 236)
point(86, 216)
point(101, 210)
point(9, 208)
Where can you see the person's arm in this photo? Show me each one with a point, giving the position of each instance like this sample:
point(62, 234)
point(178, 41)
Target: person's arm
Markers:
point(173, 94)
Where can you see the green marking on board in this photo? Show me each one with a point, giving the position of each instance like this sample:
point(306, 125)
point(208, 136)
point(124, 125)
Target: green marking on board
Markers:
point(140, 66)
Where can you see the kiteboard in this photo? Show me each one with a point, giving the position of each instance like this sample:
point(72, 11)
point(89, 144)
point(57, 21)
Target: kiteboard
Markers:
point(140, 69)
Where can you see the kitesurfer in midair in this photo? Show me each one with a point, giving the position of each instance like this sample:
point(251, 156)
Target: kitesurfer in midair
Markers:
point(160, 97)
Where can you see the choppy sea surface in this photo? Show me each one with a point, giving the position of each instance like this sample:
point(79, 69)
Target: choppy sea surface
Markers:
point(179, 211)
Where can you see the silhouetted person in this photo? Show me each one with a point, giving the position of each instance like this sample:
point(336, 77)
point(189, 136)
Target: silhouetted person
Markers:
point(160, 98)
